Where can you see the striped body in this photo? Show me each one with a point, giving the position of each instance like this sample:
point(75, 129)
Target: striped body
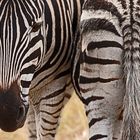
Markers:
point(106, 73)
point(35, 55)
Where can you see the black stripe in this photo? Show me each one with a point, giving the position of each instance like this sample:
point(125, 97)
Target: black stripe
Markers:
point(75, 17)
point(48, 129)
point(95, 120)
point(85, 80)
point(85, 90)
point(55, 104)
point(48, 122)
point(92, 99)
point(33, 55)
point(123, 3)
point(103, 44)
point(52, 95)
point(24, 95)
point(68, 96)
point(62, 74)
point(131, 7)
point(58, 30)
point(47, 134)
point(25, 84)
point(33, 136)
point(103, 5)
point(51, 113)
point(99, 24)
point(115, 138)
point(49, 24)
point(126, 27)
point(93, 60)
point(98, 136)
point(28, 70)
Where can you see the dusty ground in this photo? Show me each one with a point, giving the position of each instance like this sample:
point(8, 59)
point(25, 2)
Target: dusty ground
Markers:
point(21, 134)
point(73, 124)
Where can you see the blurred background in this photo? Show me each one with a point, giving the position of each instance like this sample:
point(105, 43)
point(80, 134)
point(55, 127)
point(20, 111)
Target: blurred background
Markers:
point(73, 124)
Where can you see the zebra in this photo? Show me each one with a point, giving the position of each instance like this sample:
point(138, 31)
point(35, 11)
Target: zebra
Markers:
point(36, 50)
point(106, 69)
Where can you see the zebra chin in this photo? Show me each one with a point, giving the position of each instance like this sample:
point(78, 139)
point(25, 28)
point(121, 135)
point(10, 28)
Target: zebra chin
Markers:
point(12, 109)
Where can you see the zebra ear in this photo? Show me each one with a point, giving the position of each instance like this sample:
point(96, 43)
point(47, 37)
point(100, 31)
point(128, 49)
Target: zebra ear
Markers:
point(36, 26)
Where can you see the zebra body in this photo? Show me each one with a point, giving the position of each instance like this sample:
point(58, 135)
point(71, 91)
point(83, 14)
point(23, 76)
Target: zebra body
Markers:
point(106, 72)
point(35, 62)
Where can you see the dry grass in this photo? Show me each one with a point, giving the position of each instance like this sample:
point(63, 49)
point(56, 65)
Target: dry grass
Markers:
point(20, 134)
point(73, 124)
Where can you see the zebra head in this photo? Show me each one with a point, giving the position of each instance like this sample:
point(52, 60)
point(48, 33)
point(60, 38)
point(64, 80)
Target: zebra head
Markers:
point(21, 51)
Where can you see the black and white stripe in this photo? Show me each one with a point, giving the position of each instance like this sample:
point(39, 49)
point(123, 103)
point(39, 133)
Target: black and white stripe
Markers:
point(107, 68)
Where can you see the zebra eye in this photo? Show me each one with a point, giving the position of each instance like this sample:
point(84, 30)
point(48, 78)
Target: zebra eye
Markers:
point(36, 27)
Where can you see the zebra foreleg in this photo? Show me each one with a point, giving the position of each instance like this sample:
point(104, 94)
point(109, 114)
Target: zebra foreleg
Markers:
point(31, 124)
point(48, 102)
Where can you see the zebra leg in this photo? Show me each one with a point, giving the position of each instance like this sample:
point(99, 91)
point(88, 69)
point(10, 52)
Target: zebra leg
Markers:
point(101, 88)
point(103, 124)
point(48, 102)
point(100, 83)
point(102, 95)
point(31, 123)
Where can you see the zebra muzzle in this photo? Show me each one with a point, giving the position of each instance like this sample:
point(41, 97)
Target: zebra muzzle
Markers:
point(12, 109)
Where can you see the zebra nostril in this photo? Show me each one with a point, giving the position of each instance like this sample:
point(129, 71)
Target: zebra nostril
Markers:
point(21, 113)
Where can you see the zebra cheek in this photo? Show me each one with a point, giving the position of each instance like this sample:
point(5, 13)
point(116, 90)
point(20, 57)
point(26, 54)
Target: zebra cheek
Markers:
point(12, 110)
